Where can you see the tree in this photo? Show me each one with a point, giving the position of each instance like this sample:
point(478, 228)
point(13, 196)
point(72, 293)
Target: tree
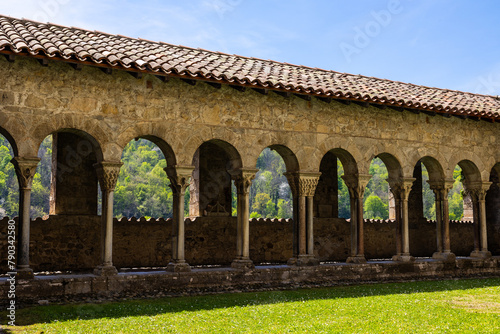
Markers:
point(374, 208)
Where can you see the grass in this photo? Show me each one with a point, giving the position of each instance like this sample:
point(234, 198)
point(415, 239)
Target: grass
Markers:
point(457, 306)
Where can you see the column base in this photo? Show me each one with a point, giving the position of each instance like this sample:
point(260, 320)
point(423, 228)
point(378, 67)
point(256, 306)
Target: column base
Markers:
point(403, 258)
point(356, 259)
point(24, 273)
point(444, 256)
point(178, 267)
point(292, 261)
point(480, 254)
point(105, 271)
point(242, 264)
point(307, 260)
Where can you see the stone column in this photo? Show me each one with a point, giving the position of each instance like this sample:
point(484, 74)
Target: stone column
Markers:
point(25, 170)
point(179, 181)
point(243, 180)
point(107, 174)
point(478, 195)
point(303, 186)
point(356, 186)
point(441, 189)
point(401, 189)
point(307, 187)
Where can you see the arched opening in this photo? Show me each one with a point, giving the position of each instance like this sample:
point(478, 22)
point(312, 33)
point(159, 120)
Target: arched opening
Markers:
point(464, 198)
point(270, 195)
point(493, 211)
point(382, 208)
point(64, 192)
point(332, 207)
point(423, 226)
point(212, 230)
point(271, 208)
point(143, 202)
point(9, 186)
point(142, 189)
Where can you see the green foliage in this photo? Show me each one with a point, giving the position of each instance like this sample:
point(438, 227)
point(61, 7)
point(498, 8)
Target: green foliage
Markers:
point(374, 208)
point(270, 195)
point(142, 188)
point(343, 194)
point(453, 306)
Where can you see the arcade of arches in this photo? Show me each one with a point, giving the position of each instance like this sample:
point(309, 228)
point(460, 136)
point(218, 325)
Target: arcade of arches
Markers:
point(211, 136)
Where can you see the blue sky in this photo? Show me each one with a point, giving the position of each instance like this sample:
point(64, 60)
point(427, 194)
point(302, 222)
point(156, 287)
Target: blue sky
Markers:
point(450, 44)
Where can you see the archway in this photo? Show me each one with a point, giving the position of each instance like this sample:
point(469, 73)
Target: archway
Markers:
point(211, 234)
point(332, 206)
point(143, 202)
point(9, 186)
point(425, 215)
point(271, 207)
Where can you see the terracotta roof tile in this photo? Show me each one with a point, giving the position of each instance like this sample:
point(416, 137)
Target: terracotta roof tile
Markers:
point(50, 40)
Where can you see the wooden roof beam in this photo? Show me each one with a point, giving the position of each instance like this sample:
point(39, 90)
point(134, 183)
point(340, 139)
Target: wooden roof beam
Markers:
point(284, 94)
point(216, 85)
point(262, 91)
point(304, 97)
point(238, 88)
point(191, 82)
point(10, 57)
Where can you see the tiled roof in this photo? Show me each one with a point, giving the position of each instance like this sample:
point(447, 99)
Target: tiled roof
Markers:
point(115, 51)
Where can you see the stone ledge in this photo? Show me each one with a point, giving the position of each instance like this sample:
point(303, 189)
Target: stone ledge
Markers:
point(68, 288)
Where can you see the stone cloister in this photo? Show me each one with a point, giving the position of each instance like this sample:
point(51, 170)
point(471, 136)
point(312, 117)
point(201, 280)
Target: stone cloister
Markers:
point(212, 114)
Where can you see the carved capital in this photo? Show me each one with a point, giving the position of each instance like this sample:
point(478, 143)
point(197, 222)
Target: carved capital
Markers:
point(179, 177)
point(401, 187)
point(356, 184)
point(307, 183)
point(243, 179)
point(302, 183)
point(441, 188)
point(477, 190)
point(25, 170)
point(107, 174)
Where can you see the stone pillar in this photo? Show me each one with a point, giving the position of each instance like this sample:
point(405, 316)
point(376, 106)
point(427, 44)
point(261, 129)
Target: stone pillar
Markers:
point(401, 191)
point(107, 174)
point(179, 181)
point(25, 170)
point(73, 158)
point(211, 183)
point(356, 186)
point(477, 193)
point(243, 180)
point(304, 186)
point(441, 189)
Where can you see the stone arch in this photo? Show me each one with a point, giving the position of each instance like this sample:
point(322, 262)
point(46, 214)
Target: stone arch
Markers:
point(75, 153)
point(470, 171)
point(394, 168)
point(291, 161)
point(347, 160)
point(165, 148)
point(89, 129)
point(434, 167)
point(215, 162)
point(11, 140)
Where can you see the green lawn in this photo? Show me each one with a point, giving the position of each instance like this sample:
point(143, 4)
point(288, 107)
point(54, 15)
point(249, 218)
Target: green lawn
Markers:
point(458, 306)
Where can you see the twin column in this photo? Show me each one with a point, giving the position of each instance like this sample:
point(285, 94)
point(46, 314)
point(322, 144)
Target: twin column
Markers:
point(401, 190)
point(303, 185)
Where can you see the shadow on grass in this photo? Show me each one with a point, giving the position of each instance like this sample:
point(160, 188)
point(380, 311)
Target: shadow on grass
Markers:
point(152, 307)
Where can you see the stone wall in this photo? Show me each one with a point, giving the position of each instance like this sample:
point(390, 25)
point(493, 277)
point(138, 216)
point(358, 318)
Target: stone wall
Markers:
point(73, 242)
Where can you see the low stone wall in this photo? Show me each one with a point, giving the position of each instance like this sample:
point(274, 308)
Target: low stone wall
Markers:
point(71, 242)
point(65, 288)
